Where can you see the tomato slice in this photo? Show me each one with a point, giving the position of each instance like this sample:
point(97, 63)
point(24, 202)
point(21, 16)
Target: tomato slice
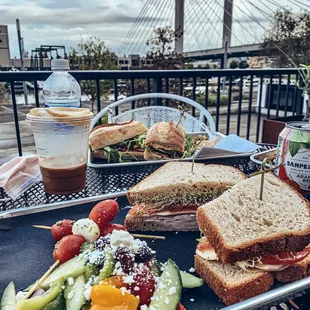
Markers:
point(285, 258)
point(204, 246)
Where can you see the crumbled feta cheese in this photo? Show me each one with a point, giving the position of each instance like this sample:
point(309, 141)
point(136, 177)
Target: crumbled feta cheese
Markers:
point(176, 232)
point(124, 290)
point(128, 279)
point(96, 258)
point(172, 290)
point(119, 237)
point(191, 269)
point(152, 308)
point(143, 307)
point(167, 301)
point(161, 285)
point(70, 281)
point(63, 287)
point(87, 292)
point(71, 295)
point(136, 288)
point(192, 299)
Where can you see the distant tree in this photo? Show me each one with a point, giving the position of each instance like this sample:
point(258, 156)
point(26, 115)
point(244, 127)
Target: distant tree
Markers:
point(161, 49)
point(190, 65)
point(234, 64)
point(289, 34)
point(243, 64)
point(92, 54)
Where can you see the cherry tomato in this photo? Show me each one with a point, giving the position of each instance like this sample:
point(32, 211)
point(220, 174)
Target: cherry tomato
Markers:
point(67, 248)
point(110, 227)
point(180, 307)
point(104, 212)
point(285, 258)
point(61, 229)
point(145, 281)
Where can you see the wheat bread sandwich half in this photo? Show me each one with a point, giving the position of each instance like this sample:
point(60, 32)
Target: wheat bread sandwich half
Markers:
point(240, 226)
point(232, 284)
point(167, 200)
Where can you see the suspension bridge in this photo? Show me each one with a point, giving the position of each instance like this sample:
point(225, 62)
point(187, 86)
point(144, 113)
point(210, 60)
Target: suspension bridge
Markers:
point(211, 29)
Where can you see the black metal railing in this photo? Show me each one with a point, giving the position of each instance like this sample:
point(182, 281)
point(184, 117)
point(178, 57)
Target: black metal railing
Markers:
point(238, 99)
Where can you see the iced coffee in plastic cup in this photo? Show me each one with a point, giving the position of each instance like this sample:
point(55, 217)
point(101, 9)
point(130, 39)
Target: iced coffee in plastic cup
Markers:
point(61, 138)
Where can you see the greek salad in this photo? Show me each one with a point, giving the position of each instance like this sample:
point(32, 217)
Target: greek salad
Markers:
point(102, 267)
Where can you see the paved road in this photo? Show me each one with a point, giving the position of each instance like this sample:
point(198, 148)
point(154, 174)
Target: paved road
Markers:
point(8, 143)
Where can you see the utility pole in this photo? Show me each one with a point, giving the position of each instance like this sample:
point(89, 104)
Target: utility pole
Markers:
point(22, 57)
point(179, 25)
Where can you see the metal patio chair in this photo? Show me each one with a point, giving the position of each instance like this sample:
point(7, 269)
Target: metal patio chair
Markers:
point(150, 115)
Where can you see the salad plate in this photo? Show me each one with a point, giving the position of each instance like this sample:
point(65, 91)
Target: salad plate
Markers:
point(26, 253)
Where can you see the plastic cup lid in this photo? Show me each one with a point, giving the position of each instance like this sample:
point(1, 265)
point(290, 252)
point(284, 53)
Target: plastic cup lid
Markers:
point(59, 114)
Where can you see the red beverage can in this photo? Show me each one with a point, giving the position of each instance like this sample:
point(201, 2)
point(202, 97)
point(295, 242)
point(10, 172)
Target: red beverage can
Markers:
point(294, 153)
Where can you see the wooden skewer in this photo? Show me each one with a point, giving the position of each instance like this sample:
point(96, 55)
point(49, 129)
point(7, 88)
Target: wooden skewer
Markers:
point(134, 235)
point(42, 279)
point(149, 236)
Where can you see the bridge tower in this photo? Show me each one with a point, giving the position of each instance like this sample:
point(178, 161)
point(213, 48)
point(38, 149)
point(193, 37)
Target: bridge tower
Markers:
point(227, 29)
point(179, 25)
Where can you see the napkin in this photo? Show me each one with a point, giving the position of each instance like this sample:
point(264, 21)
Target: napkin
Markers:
point(236, 144)
point(19, 174)
point(227, 146)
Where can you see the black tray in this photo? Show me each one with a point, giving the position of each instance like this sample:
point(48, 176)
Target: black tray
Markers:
point(110, 180)
point(26, 253)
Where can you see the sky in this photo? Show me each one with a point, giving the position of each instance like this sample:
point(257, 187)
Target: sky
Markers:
point(65, 22)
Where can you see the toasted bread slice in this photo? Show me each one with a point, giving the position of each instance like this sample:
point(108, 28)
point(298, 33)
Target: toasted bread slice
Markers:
point(175, 182)
point(109, 134)
point(230, 283)
point(295, 272)
point(240, 226)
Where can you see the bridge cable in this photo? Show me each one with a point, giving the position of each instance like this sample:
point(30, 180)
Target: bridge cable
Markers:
point(168, 12)
point(134, 25)
point(276, 46)
point(146, 28)
point(300, 3)
point(192, 27)
point(227, 27)
point(203, 29)
point(213, 20)
point(214, 28)
point(138, 27)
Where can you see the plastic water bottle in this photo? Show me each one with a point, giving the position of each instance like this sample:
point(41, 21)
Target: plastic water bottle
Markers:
point(61, 89)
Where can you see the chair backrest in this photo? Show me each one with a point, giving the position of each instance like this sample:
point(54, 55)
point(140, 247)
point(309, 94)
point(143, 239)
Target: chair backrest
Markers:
point(156, 114)
point(151, 115)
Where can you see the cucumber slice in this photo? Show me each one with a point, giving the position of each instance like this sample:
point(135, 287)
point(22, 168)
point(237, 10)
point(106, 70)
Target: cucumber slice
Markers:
point(167, 296)
point(57, 304)
point(74, 294)
point(8, 300)
point(72, 268)
point(155, 268)
point(91, 271)
point(190, 281)
point(107, 268)
point(38, 302)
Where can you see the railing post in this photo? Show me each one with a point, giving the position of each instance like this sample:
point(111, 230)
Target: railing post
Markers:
point(158, 88)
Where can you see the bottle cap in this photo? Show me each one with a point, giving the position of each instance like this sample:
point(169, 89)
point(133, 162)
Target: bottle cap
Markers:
point(60, 64)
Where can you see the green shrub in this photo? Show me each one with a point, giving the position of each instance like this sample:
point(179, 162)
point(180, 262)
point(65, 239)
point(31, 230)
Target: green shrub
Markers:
point(212, 99)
